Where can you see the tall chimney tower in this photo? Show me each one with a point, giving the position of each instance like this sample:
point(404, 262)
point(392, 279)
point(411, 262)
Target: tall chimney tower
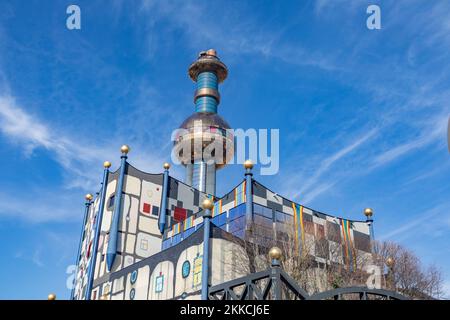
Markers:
point(203, 144)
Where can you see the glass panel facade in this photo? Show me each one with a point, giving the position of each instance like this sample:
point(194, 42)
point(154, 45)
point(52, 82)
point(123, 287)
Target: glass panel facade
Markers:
point(263, 211)
point(237, 212)
point(236, 225)
point(283, 217)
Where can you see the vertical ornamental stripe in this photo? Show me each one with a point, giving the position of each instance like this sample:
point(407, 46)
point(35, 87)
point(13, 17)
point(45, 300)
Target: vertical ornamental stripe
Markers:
point(348, 243)
point(299, 226)
point(239, 194)
point(296, 218)
point(217, 208)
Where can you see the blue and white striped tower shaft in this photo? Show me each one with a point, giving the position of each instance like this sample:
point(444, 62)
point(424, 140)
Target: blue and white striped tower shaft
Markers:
point(98, 226)
point(165, 190)
point(207, 207)
point(208, 71)
point(88, 199)
point(111, 251)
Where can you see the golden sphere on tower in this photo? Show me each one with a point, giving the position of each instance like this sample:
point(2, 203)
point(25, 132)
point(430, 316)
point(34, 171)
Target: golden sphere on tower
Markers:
point(207, 204)
point(390, 262)
point(51, 296)
point(275, 253)
point(166, 165)
point(368, 212)
point(107, 164)
point(248, 164)
point(89, 197)
point(125, 149)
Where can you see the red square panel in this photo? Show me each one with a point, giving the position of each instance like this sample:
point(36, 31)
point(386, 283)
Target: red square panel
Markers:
point(146, 208)
point(179, 214)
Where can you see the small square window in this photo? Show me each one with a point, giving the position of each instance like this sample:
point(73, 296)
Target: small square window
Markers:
point(146, 208)
point(144, 244)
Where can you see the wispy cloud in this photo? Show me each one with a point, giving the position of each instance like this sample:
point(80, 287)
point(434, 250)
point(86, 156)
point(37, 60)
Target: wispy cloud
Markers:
point(430, 133)
point(34, 257)
point(427, 221)
point(327, 163)
point(315, 185)
point(31, 133)
point(80, 159)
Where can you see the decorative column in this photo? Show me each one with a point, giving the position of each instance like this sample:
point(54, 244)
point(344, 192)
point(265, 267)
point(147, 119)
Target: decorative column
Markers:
point(275, 257)
point(368, 212)
point(165, 190)
point(248, 165)
point(390, 263)
point(88, 199)
point(114, 230)
point(98, 226)
point(207, 207)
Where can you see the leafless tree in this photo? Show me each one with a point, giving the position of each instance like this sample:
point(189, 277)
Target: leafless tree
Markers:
point(318, 265)
point(405, 273)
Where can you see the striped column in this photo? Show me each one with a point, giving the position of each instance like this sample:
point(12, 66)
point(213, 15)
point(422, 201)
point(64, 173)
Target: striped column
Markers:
point(111, 251)
point(88, 198)
point(98, 225)
point(165, 191)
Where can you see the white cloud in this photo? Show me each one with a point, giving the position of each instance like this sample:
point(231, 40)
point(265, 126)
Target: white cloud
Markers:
point(429, 134)
point(80, 158)
point(314, 185)
point(428, 222)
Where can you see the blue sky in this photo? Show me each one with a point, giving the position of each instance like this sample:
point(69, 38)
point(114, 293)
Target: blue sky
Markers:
point(362, 113)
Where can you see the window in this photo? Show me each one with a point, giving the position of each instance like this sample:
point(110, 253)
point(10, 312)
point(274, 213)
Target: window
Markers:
point(282, 236)
point(320, 231)
point(237, 212)
point(159, 283)
point(146, 208)
point(283, 217)
point(155, 210)
point(309, 227)
point(237, 224)
point(144, 244)
point(262, 211)
point(333, 232)
point(263, 221)
point(111, 201)
point(220, 219)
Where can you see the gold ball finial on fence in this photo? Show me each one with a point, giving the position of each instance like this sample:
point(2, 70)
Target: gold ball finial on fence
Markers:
point(390, 262)
point(248, 164)
point(207, 204)
point(125, 149)
point(51, 296)
point(275, 253)
point(368, 212)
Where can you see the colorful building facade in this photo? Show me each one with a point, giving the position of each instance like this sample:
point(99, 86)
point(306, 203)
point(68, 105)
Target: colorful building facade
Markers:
point(142, 235)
